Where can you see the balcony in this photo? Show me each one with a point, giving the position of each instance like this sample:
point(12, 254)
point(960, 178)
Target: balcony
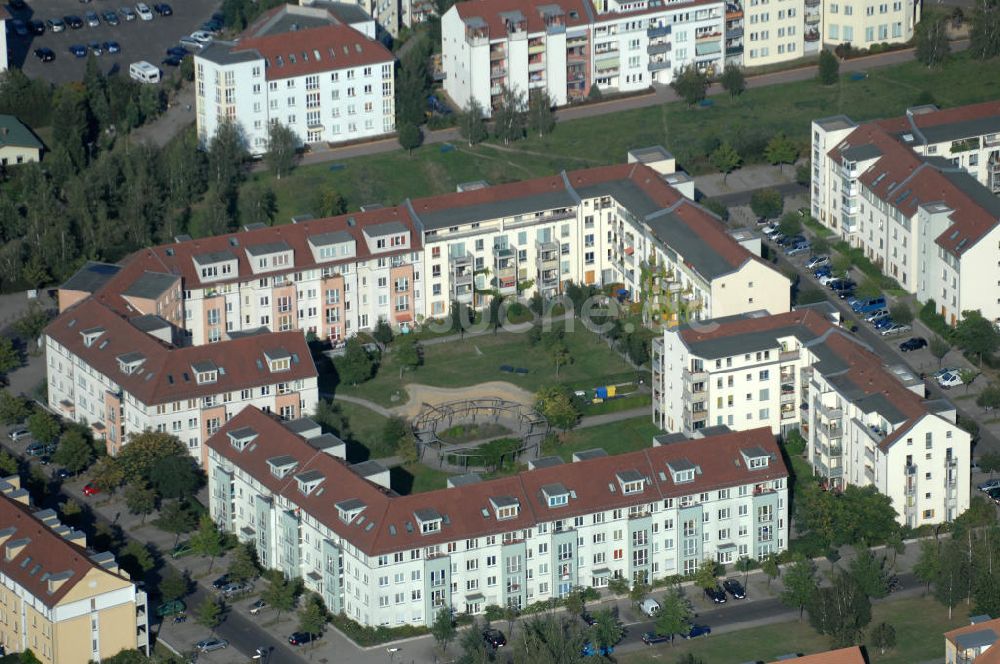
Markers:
point(870, 473)
point(788, 355)
point(813, 3)
point(498, 54)
point(498, 72)
point(657, 49)
point(658, 31)
point(461, 270)
point(734, 33)
point(734, 50)
point(828, 412)
point(707, 36)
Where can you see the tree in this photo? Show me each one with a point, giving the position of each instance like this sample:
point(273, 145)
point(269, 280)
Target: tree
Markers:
point(895, 543)
point(382, 333)
point(282, 148)
point(640, 588)
point(976, 335)
point(10, 357)
point(675, 614)
point(733, 80)
point(575, 602)
point(312, 616)
point(725, 159)
point(393, 431)
point(618, 585)
point(443, 629)
point(869, 572)
point(939, 348)
point(928, 565)
point(829, 68)
point(932, 46)
point(869, 288)
point(560, 354)
point(951, 583)
point(508, 117)
point(174, 586)
point(75, 451)
point(13, 409)
point(556, 405)
point(790, 224)
point(541, 114)
point(989, 462)
point(841, 265)
point(258, 205)
point(989, 399)
point(471, 125)
point(607, 630)
point(411, 86)
point(43, 427)
point(550, 639)
point(690, 85)
point(107, 474)
point(769, 565)
point(840, 611)
point(410, 137)
point(705, 576)
point(70, 510)
point(175, 477)
point(331, 203)
point(144, 450)
point(331, 418)
point(140, 498)
point(968, 377)
point(280, 593)
point(406, 350)
point(767, 203)
point(357, 365)
point(8, 464)
point(243, 565)
point(226, 154)
point(472, 644)
point(781, 150)
point(207, 540)
point(984, 30)
point(901, 313)
point(136, 559)
point(209, 613)
point(800, 584)
point(176, 517)
point(883, 637)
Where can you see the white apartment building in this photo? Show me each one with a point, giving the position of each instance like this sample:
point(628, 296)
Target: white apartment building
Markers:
point(866, 424)
point(918, 194)
point(567, 46)
point(119, 372)
point(779, 31)
point(864, 24)
point(386, 559)
point(317, 70)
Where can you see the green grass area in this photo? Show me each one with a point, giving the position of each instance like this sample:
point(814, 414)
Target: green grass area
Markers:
point(627, 402)
point(365, 429)
point(749, 119)
point(478, 359)
point(614, 438)
point(464, 433)
point(919, 625)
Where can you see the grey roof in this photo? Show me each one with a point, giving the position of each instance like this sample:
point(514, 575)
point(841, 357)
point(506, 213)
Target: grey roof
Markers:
point(878, 403)
point(250, 332)
point(277, 353)
point(282, 461)
point(668, 438)
point(427, 514)
point(346, 12)
point(739, 344)
point(504, 501)
point(151, 285)
point(221, 53)
point(267, 248)
point(214, 257)
point(510, 207)
point(131, 357)
point(585, 455)
point(351, 504)
point(629, 476)
point(861, 152)
point(954, 131)
point(672, 231)
point(938, 406)
point(291, 21)
point(971, 187)
point(388, 228)
point(368, 468)
point(242, 433)
point(333, 237)
point(626, 192)
point(309, 476)
point(255, 226)
point(714, 430)
point(325, 441)
point(300, 425)
point(91, 277)
point(677, 465)
point(545, 462)
point(555, 489)
point(651, 153)
point(754, 452)
point(977, 639)
point(836, 122)
point(204, 365)
point(149, 322)
point(464, 480)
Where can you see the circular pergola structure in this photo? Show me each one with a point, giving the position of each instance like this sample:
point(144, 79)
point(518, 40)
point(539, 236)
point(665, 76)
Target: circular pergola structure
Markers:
point(526, 425)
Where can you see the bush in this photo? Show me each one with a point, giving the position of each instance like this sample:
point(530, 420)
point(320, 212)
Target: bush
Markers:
point(365, 636)
point(935, 321)
point(717, 208)
point(860, 261)
point(795, 444)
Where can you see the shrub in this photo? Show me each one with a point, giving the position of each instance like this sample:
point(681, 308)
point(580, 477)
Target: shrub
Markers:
point(366, 636)
point(935, 321)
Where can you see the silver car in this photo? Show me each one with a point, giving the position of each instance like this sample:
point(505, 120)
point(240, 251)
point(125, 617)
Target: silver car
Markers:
point(208, 645)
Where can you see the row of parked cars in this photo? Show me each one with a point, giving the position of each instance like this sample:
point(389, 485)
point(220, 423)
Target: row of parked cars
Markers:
point(991, 488)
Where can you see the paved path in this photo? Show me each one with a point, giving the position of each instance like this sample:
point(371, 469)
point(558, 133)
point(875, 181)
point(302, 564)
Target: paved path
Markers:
point(660, 95)
point(171, 122)
point(370, 405)
point(608, 418)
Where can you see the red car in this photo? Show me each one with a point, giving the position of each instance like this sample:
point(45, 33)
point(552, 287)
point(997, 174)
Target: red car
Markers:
point(90, 490)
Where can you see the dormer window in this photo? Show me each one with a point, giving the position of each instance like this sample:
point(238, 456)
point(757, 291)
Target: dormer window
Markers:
point(240, 438)
point(429, 520)
point(631, 482)
point(91, 335)
point(756, 458)
point(278, 359)
point(282, 465)
point(129, 363)
point(308, 481)
point(556, 495)
point(205, 372)
point(681, 471)
point(505, 507)
point(207, 377)
point(348, 510)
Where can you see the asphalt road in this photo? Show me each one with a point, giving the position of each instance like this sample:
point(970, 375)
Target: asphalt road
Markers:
point(139, 40)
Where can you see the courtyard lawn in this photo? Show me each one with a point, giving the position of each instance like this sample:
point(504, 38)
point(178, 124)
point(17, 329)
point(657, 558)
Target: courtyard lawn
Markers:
point(614, 438)
point(478, 359)
point(752, 117)
point(919, 622)
point(365, 431)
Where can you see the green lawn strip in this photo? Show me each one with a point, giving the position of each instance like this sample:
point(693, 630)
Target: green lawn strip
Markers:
point(366, 427)
point(464, 433)
point(617, 405)
point(614, 438)
point(754, 116)
point(919, 622)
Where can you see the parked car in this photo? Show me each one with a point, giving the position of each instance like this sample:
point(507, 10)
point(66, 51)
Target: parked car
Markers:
point(35, 449)
point(698, 630)
point(913, 343)
point(111, 17)
point(949, 380)
point(90, 490)
point(208, 645)
point(74, 22)
point(56, 24)
point(112, 47)
point(798, 248)
point(233, 588)
point(37, 27)
point(171, 61)
point(895, 328)
point(875, 316)
point(192, 44)
point(96, 48)
point(144, 12)
point(883, 323)
point(93, 20)
point(589, 650)
point(649, 638)
point(163, 9)
point(17, 433)
point(587, 618)
point(824, 272)
point(219, 583)
point(716, 594)
point(770, 229)
point(63, 474)
point(170, 608)
point(864, 305)
point(994, 495)
point(300, 638)
point(650, 607)
point(20, 27)
point(989, 485)
point(127, 13)
point(941, 372)
point(734, 588)
point(201, 37)
point(257, 607)
point(815, 262)
point(494, 638)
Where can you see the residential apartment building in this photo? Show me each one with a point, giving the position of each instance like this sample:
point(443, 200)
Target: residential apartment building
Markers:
point(317, 70)
point(976, 643)
point(866, 424)
point(386, 559)
point(567, 46)
point(120, 372)
point(64, 602)
point(865, 24)
point(918, 194)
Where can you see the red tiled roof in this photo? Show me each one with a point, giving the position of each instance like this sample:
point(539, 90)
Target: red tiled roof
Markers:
point(943, 116)
point(162, 376)
point(291, 54)
point(718, 458)
point(46, 549)
point(851, 655)
point(491, 12)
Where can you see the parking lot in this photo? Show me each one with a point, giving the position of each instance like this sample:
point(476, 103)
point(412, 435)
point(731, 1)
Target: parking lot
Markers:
point(138, 39)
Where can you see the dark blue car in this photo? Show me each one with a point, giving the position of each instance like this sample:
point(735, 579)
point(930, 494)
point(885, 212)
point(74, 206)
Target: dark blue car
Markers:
point(590, 651)
point(79, 50)
point(698, 630)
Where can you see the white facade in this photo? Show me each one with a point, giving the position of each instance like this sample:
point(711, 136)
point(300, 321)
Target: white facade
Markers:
point(797, 371)
point(917, 194)
point(870, 22)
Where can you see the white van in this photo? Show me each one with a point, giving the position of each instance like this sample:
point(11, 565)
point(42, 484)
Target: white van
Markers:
point(650, 607)
point(144, 72)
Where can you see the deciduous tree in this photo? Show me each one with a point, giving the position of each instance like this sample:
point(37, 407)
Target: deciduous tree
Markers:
point(541, 112)
point(143, 450)
point(43, 427)
point(13, 409)
point(842, 610)
point(107, 474)
point(607, 630)
point(75, 451)
point(443, 628)
point(556, 405)
point(174, 586)
point(781, 150)
point(10, 357)
point(829, 68)
point(901, 313)
point(210, 613)
point(883, 637)
point(690, 85)
point(207, 540)
point(282, 148)
point(675, 615)
point(280, 593)
point(243, 564)
point(140, 498)
point(800, 584)
point(407, 353)
point(8, 464)
point(312, 616)
point(733, 80)
point(725, 159)
point(984, 30)
point(410, 137)
point(932, 46)
point(175, 476)
point(509, 116)
point(939, 348)
point(471, 123)
point(357, 365)
point(769, 565)
point(767, 203)
point(136, 559)
point(976, 335)
point(869, 572)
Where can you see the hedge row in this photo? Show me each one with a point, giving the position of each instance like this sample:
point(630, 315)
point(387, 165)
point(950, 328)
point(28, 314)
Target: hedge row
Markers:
point(372, 636)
